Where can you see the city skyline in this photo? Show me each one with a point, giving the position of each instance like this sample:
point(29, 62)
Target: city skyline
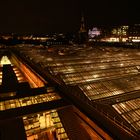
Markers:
point(64, 16)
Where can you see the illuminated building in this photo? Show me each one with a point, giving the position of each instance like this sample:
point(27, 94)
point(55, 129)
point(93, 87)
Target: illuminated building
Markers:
point(125, 33)
point(120, 33)
point(94, 32)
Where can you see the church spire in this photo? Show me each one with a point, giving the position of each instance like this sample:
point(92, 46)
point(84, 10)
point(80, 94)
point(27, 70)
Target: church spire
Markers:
point(82, 32)
point(82, 27)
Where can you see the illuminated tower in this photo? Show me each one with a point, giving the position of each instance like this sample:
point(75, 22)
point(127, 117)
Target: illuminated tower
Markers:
point(82, 31)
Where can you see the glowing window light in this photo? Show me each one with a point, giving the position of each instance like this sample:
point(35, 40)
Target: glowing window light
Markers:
point(26, 101)
point(135, 40)
point(5, 60)
point(44, 123)
point(124, 39)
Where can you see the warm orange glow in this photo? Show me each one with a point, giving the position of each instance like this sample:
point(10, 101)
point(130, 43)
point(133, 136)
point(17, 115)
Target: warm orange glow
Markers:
point(32, 78)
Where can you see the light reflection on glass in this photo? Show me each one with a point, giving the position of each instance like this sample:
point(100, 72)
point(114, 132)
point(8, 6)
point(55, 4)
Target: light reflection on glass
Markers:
point(45, 125)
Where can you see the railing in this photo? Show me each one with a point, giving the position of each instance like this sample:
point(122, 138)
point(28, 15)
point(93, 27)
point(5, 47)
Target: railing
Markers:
point(114, 119)
point(75, 91)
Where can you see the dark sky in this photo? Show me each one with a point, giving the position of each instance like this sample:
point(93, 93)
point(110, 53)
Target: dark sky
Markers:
point(45, 16)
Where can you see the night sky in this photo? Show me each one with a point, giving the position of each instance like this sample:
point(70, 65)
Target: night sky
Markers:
point(47, 16)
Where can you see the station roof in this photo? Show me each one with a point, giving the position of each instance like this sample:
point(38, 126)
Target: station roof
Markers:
point(101, 73)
